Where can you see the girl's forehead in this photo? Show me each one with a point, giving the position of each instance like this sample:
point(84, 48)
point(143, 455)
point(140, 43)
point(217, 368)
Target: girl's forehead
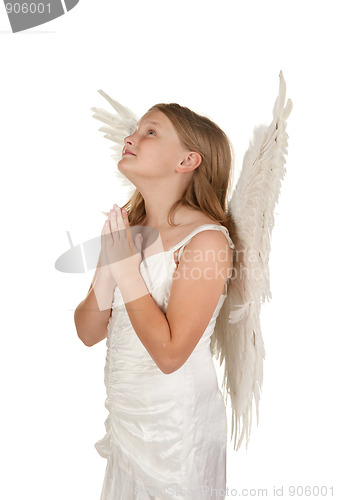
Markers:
point(153, 116)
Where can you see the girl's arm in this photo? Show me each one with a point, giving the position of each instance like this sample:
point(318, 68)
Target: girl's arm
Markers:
point(92, 314)
point(197, 284)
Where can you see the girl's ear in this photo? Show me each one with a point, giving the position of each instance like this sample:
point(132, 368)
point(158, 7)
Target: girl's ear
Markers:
point(192, 161)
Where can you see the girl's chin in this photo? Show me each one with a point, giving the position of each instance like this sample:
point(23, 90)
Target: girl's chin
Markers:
point(125, 160)
point(126, 157)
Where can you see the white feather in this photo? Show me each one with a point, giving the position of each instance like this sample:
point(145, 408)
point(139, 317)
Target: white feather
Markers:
point(237, 336)
point(116, 128)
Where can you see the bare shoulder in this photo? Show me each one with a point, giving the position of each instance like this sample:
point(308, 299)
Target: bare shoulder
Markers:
point(210, 252)
point(210, 246)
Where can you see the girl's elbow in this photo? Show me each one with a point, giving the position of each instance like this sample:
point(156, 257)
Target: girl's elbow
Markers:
point(171, 358)
point(170, 365)
point(167, 369)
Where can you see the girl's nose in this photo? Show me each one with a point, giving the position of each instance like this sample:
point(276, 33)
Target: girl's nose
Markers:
point(129, 139)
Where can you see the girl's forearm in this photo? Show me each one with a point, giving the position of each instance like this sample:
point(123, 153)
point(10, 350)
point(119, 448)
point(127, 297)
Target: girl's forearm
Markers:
point(103, 287)
point(92, 314)
point(148, 321)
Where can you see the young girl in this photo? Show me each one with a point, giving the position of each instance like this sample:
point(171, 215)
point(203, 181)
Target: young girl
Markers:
point(166, 432)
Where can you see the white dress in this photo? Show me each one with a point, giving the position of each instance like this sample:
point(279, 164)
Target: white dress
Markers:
point(166, 434)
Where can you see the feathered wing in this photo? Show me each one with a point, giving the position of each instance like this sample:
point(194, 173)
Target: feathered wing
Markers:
point(237, 337)
point(118, 126)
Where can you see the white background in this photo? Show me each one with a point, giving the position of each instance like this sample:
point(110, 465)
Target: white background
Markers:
point(219, 58)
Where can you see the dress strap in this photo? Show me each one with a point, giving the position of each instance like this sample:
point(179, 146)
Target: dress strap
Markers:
point(204, 227)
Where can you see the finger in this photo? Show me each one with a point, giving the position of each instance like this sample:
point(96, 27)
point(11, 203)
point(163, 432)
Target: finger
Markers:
point(125, 216)
point(106, 227)
point(105, 240)
point(113, 222)
point(120, 219)
point(128, 231)
point(139, 242)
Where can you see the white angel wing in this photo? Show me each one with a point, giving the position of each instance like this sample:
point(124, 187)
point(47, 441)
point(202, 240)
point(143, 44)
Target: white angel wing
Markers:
point(252, 206)
point(117, 128)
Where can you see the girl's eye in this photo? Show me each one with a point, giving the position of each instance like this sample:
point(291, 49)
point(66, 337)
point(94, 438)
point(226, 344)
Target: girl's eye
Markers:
point(151, 131)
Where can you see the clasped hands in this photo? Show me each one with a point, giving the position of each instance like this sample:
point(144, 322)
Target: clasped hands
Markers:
point(118, 251)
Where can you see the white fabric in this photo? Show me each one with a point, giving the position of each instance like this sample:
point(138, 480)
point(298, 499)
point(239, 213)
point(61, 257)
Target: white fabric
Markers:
point(166, 434)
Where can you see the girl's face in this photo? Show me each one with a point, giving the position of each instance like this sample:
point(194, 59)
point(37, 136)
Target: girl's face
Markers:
point(156, 148)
